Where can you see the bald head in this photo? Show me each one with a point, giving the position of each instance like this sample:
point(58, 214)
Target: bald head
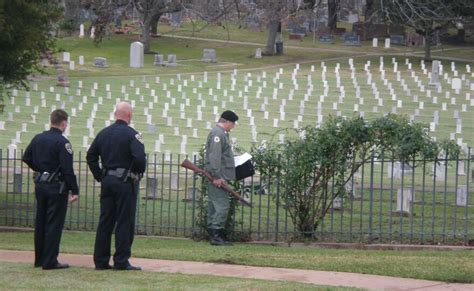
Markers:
point(123, 111)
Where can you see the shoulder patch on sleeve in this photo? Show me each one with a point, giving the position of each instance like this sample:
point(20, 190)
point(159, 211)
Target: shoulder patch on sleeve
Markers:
point(217, 139)
point(68, 148)
point(139, 137)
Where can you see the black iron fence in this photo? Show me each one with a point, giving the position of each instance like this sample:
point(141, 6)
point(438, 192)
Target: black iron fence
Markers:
point(387, 202)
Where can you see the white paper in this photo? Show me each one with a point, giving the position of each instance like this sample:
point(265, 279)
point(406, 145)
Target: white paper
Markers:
point(239, 160)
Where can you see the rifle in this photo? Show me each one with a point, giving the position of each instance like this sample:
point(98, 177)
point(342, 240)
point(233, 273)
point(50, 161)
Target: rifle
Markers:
point(191, 166)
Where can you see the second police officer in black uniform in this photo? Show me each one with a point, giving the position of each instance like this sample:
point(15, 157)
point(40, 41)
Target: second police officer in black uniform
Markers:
point(122, 161)
point(50, 155)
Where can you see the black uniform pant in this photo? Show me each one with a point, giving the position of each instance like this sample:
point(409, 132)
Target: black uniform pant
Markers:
point(118, 203)
point(51, 210)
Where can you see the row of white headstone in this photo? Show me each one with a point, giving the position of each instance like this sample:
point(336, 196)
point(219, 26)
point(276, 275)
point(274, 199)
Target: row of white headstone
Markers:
point(72, 64)
point(375, 42)
point(277, 76)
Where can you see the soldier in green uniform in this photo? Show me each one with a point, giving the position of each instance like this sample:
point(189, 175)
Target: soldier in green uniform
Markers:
point(220, 164)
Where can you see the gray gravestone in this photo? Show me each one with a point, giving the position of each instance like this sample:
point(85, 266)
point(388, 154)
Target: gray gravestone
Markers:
point(435, 73)
point(100, 62)
point(258, 53)
point(174, 184)
point(337, 203)
point(159, 60)
point(171, 61)
point(151, 187)
point(397, 170)
point(352, 39)
point(190, 194)
point(326, 39)
point(397, 39)
point(209, 55)
point(17, 182)
point(63, 80)
point(136, 55)
point(461, 195)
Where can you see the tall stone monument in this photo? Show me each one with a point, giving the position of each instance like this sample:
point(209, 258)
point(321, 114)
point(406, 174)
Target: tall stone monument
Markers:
point(136, 55)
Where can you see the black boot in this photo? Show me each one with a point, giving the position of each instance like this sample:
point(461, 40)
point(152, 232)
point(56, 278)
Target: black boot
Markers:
point(215, 238)
point(222, 235)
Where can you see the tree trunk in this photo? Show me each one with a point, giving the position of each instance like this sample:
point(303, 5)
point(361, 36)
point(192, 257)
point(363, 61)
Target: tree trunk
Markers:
point(154, 24)
point(272, 34)
point(428, 37)
point(2, 103)
point(146, 36)
point(369, 10)
point(461, 35)
point(332, 14)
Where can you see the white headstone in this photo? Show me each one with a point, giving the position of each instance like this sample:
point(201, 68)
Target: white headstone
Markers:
point(456, 84)
point(258, 53)
point(387, 43)
point(136, 55)
point(92, 32)
point(440, 171)
point(66, 57)
point(405, 199)
point(375, 42)
point(81, 30)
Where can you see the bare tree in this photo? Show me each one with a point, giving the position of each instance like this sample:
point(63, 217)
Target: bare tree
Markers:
point(275, 12)
point(426, 17)
point(150, 13)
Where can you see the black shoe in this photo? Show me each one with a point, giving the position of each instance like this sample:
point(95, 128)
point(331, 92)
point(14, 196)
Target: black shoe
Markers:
point(104, 267)
point(127, 268)
point(222, 235)
point(56, 266)
point(217, 239)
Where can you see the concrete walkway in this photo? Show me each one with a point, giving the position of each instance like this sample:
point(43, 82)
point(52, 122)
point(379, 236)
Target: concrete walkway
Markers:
point(264, 273)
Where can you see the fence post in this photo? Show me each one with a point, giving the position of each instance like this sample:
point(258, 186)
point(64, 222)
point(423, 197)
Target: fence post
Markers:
point(371, 196)
point(277, 202)
point(466, 232)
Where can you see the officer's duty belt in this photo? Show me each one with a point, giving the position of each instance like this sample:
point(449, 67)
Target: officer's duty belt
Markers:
point(45, 177)
point(119, 172)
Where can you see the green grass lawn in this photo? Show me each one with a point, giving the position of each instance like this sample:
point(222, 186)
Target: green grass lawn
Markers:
point(23, 276)
point(451, 266)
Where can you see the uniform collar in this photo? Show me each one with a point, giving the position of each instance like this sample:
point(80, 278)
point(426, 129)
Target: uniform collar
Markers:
point(55, 129)
point(221, 128)
point(119, 121)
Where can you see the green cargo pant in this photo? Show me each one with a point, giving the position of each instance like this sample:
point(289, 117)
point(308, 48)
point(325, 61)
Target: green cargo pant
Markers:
point(218, 207)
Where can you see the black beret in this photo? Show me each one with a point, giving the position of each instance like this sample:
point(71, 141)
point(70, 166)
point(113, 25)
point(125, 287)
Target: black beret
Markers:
point(230, 116)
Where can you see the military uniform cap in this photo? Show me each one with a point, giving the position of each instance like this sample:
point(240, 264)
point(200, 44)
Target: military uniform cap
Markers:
point(230, 116)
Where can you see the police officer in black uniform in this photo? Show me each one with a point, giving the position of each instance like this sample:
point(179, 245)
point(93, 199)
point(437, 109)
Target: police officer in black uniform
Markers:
point(122, 156)
point(50, 155)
